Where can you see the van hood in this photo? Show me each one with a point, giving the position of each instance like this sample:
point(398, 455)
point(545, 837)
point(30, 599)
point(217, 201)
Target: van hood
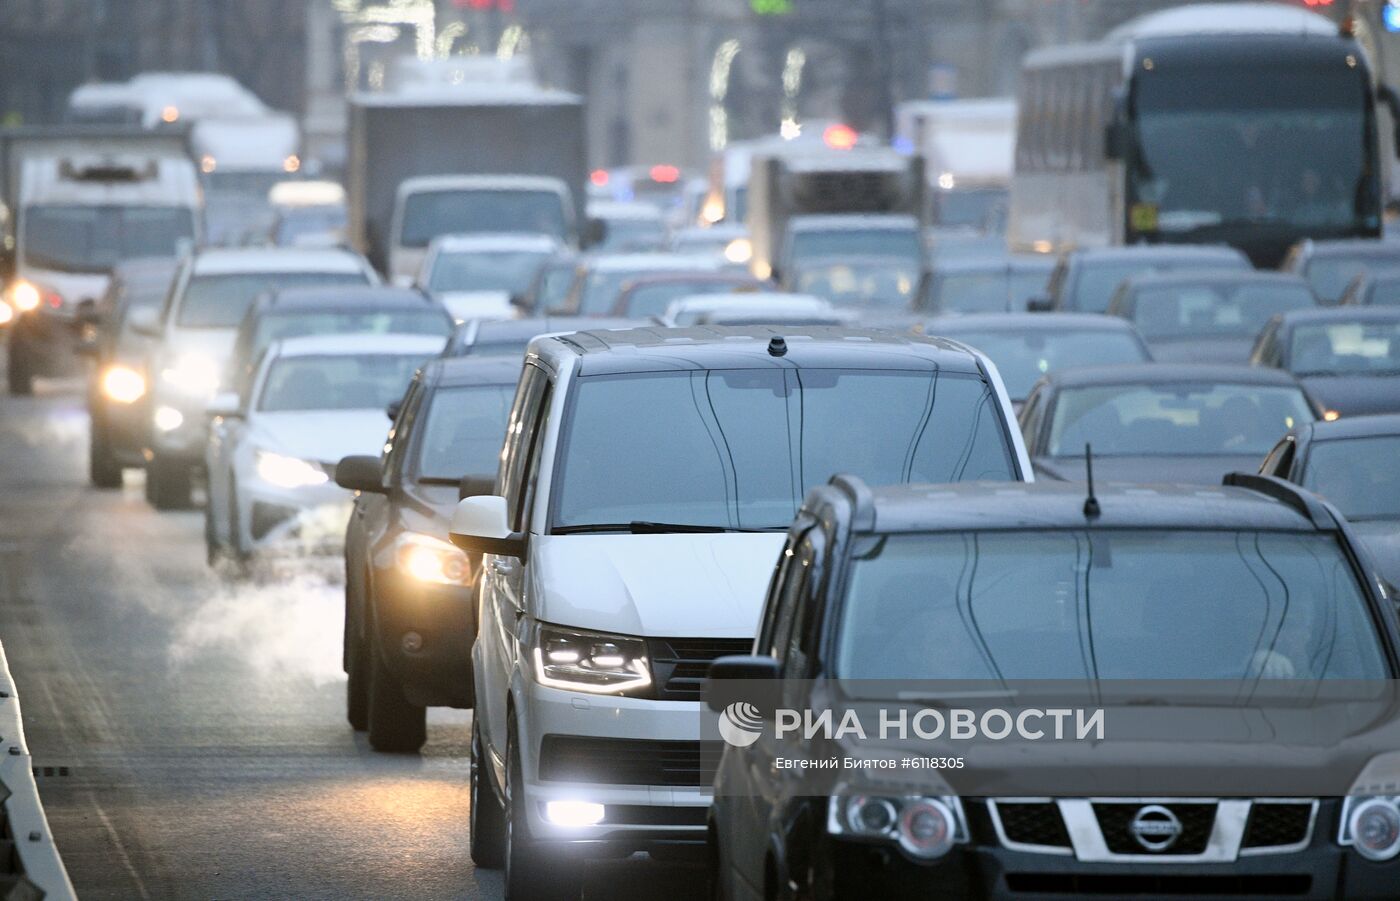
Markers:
point(671, 586)
point(320, 435)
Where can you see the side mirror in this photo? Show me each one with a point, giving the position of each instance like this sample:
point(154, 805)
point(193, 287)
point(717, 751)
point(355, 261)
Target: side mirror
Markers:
point(1040, 303)
point(225, 404)
point(474, 486)
point(595, 231)
point(360, 473)
point(480, 524)
point(392, 411)
point(751, 679)
point(144, 321)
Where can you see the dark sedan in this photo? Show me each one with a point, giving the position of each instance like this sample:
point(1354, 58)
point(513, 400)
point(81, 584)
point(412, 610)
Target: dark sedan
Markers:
point(1207, 317)
point(1158, 422)
point(1378, 288)
point(409, 615)
point(1025, 346)
point(1353, 464)
point(1348, 357)
point(994, 284)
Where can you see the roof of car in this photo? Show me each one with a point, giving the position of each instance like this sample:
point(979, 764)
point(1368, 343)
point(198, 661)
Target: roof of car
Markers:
point(1026, 322)
point(761, 300)
point(1060, 505)
point(505, 331)
point(852, 221)
point(1354, 313)
point(1352, 427)
point(1350, 247)
point(458, 371)
point(1155, 251)
point(495, 241)
point(1213, 277)
point(1017, 262)
point(1167, 373)
point(621, 209)
point(232, 260)
point(745, 347)
point(345, 297)
point(357, 344)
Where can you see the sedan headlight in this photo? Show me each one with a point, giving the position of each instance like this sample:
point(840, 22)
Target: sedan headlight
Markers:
point(123, 384)
point(595, 662)
point(289, 472)
point(428, 559)
point(924, 827)
point(193, 374)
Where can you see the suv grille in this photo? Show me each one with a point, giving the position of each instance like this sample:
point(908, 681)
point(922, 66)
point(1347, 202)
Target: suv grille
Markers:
point(1033, 823)
point(1273, 825)
point(628, 761)
point(679, 665)
point(1115, 820)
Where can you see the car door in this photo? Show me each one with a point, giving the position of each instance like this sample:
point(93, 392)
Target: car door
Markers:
point(502, 579)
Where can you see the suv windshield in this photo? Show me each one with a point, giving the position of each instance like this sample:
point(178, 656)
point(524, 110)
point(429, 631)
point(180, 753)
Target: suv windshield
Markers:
point(497, 270)
point(1359, 475)
point(740, 448)
point(464, 432)
point(1174, 419)
point(428, 214)
point(337, 382)
point(221, 301)
point(96, 238)
point(1103, 604)
point(1213, 311)
point(1346, 348)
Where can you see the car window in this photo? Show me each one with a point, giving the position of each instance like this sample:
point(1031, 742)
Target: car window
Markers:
point(509, 271)
point(463, 432)
point(402, 427)
point(1174, 419)
point(338, 382)
point(1023, 357)
point(1345, 348)
point(524, 421)
point(1213, 311)
point(273, 326)
point(221, 301)
point(1360, 475)
point(1108, 605)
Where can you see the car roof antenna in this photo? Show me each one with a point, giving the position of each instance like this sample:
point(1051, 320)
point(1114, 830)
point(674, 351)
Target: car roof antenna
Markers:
point(1091, 503)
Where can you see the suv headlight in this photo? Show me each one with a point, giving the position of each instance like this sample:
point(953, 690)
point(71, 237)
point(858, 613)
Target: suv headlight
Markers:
point(289, 472)
point(429, 559)
point(195, 374)
point(575, 660)
point(924, 827)
point(1371, 810)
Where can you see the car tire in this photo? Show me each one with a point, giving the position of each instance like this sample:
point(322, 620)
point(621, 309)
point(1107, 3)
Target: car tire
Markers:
point(168, 483)
point(103, 469)
point(18, 370)
point(356, 670)
point(487, 828)
point(395, 725)
point(530, 873)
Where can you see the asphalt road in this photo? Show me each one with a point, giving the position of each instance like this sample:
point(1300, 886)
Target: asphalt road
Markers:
point(200, 721)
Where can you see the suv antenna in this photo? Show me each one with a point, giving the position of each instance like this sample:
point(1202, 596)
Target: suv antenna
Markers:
point(1091, 503)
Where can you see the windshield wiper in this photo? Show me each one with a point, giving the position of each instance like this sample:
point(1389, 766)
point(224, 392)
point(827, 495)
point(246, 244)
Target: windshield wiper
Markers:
point(644, 527)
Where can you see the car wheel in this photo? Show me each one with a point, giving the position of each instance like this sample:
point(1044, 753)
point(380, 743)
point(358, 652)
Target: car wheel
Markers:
point(530, 874)
point(18, 371)
point(103, 469)
point(168, 483)
point(357, 671)
point(487, 831)
point(394, 724)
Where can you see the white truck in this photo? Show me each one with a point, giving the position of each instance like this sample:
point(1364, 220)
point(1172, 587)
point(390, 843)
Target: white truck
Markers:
point(82, 200)
point(492, 157)
point(969, 147)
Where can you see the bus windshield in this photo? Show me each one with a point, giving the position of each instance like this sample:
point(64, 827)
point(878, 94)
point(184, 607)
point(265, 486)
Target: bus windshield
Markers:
point(1235, 144)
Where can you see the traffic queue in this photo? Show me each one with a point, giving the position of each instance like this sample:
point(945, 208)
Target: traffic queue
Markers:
point(586, 468)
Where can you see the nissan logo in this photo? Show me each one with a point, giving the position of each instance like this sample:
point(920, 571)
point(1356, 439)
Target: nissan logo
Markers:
point(1155, 827)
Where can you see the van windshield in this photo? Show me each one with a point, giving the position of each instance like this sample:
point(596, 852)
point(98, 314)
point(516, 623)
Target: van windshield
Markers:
point(739, 448)
point(1102, 604)
point(96, 238)
point(430, 214)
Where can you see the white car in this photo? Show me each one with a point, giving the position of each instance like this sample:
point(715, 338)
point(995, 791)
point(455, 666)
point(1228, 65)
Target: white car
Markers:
point(479, 276)
point(213, 290)
point(313, 401)
point(746, 309)
point(646, 483)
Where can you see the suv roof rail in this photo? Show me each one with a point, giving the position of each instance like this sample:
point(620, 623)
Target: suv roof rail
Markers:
point(1286, 492)
point(862, 500)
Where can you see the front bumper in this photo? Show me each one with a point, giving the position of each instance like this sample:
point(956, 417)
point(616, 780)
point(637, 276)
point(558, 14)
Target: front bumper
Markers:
point(439, 673)
point(291, 522)
point(638, 817)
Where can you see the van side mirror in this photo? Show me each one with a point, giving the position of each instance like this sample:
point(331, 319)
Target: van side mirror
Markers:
point(750, 679)
point(1040, 303)
point(144, 321)
point(480, 524)
point(360, 473)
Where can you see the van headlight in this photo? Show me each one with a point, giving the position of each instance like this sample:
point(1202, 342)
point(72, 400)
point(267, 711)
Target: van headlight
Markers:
point(194, 374)
point(428, 559)
point(575, 660)
point(924, 827)
point(289, 472)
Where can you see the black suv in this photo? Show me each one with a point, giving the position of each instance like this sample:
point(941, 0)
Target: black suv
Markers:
point(1244, 584)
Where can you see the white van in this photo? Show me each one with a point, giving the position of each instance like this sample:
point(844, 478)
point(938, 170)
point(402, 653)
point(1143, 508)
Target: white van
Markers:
point(646, 485)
